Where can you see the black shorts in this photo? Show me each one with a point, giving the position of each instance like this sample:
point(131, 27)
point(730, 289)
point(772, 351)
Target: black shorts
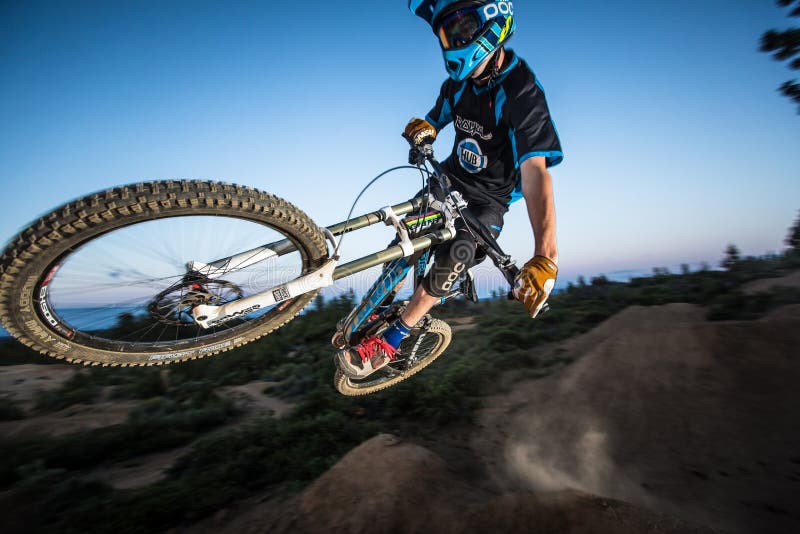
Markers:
point(453, 258)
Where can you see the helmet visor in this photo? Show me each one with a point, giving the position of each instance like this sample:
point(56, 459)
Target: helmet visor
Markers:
point(459, 28)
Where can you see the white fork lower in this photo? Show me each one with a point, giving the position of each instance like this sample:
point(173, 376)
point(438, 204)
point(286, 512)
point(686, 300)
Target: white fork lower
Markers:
point(209, 316)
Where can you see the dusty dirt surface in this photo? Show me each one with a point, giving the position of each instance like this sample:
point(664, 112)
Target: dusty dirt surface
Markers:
point(139, 472)
point(766, 284)
point(79, 417)
point(250, 397)
point(665, 421)
point(665, 410)
point(388, 485)
point(23, 383)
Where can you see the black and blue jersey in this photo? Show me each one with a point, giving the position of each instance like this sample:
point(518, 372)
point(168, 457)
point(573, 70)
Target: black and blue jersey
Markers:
point(497, 126)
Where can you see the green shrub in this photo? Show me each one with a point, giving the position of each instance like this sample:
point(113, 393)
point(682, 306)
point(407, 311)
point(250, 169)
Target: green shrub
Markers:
point(738, 306)
point(78, 389)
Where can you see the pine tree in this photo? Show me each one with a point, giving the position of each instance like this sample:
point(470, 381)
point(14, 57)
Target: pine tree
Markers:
point(793, 239)
point(785, 46)
point(732, 257)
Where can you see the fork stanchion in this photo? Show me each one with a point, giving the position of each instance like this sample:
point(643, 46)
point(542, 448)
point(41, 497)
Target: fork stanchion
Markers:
point(285, 246)
point(374, 217)
point(391, 253)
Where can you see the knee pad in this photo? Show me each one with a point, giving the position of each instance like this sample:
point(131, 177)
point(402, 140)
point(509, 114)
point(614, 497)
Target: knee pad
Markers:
point(449, 265)
point(440, 281)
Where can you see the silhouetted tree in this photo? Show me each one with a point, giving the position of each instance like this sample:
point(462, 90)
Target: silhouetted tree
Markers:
point(793, 239)
point(732, 257)
point(785, 46)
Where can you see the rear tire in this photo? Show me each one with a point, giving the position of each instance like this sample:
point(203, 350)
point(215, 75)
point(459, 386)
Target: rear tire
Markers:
point(423, 345)
point(111, 267)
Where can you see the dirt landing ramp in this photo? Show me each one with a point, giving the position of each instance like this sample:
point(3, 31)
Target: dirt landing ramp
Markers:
point(664, 410)
point(390, 486)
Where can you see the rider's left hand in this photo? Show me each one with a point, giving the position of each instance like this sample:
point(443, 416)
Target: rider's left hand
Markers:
point(419, 132)
point(534, 283)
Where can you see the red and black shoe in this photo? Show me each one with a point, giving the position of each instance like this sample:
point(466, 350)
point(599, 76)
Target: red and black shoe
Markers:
point(366, 358)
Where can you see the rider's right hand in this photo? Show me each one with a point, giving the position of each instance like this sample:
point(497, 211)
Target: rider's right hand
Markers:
point(534, 283)
point(419, 132)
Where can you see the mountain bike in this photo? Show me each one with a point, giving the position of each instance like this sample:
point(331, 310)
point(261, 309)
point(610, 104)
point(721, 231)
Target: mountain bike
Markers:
point(169, 271)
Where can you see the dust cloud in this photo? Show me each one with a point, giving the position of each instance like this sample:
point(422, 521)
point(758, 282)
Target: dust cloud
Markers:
point(579, 459)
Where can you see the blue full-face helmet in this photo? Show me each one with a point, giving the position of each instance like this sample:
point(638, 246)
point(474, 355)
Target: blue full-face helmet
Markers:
point(469, 31)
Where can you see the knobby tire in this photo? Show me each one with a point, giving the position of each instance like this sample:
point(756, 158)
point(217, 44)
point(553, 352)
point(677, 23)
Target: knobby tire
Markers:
point(38, 251)
point(376, 381)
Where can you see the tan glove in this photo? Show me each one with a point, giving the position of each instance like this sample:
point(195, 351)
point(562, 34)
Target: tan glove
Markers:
point(418, 131)
point(534, 283)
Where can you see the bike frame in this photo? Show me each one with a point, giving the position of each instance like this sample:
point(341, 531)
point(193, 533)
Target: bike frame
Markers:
point(449, 203)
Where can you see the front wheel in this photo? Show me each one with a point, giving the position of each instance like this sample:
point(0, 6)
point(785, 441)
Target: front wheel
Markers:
point(103, 279)
point(424, 344)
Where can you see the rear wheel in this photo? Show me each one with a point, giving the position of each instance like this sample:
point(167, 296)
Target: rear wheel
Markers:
point(103, 279)
point(423, 345)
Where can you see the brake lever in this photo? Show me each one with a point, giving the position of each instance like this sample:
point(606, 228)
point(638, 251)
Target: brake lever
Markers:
point(416, 156)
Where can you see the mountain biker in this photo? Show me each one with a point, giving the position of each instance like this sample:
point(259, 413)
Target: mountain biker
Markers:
point(505, 141)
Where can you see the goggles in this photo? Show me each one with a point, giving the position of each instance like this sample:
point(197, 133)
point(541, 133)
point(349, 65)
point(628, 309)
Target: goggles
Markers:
point(460, 27)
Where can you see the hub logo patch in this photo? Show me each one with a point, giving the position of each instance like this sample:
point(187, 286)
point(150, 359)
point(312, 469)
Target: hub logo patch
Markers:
point(470, 156)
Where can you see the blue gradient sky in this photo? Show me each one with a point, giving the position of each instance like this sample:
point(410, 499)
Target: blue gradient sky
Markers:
point(676, 140)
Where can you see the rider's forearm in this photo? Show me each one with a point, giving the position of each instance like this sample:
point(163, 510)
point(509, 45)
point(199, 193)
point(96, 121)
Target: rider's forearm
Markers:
point(537, 189)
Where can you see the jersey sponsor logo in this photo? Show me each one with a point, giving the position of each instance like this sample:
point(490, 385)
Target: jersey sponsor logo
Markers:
point(490, 11)
point(471, 157)
point(471, 127)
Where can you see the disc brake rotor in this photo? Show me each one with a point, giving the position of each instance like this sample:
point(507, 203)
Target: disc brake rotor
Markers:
point(174, 305)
